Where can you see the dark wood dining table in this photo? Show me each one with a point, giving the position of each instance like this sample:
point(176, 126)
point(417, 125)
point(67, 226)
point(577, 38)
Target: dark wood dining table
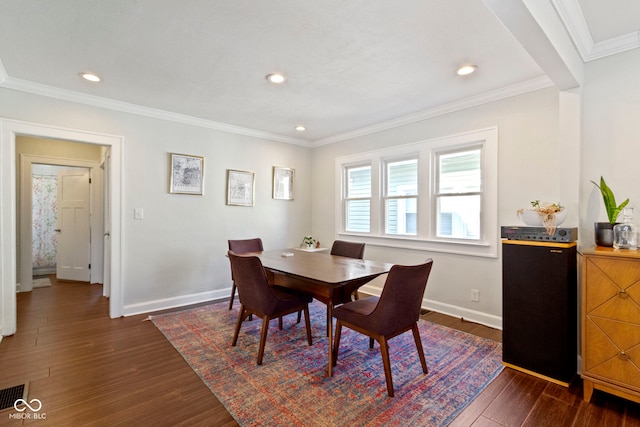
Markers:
point(330, 279)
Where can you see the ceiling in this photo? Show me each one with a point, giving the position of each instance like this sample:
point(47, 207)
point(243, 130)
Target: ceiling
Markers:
point(351, 65)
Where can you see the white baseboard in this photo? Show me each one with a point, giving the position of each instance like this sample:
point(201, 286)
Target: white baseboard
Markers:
point(211, 296)
point(489, 320)
point(464, 313)
point(181, 301)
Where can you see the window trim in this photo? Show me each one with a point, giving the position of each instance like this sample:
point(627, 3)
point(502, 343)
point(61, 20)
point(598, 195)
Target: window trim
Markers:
point(426, 238)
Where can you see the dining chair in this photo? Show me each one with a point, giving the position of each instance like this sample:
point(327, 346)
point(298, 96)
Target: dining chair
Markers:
point(396, 311)
point(348, 249)
point(242, 247)
point(266, 301)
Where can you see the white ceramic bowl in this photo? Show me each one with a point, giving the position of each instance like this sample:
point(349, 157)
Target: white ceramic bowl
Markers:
point(532, 218)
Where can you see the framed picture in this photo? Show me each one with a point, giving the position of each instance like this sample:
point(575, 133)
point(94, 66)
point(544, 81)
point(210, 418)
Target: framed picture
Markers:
point(283, 183)
point(240, 187)
point(187, 174)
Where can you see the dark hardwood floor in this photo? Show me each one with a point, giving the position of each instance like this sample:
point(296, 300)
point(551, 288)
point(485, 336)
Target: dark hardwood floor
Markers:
point(87, 369)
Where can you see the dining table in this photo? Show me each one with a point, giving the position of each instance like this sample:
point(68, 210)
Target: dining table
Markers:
point(331, 279)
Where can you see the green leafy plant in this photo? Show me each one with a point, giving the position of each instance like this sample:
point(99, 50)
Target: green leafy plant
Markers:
point(308, 241)
point(613, 210)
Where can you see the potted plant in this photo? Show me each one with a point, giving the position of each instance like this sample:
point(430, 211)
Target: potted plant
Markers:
point(308, 242)
point(604, 230)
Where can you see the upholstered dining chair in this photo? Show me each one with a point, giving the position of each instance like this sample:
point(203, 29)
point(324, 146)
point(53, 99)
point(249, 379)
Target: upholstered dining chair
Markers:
point(348, 249)
point(266, 301)
point(396, 311)
point(242, 247)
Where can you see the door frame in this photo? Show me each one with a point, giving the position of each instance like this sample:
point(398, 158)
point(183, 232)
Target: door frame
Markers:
point(25, 236)
point(9, 129)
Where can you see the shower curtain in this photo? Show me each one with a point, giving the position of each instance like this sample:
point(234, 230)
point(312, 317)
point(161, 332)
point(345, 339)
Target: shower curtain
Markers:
point(45, 189)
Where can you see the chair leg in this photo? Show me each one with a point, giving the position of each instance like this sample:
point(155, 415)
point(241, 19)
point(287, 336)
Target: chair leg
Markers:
point(299, 316)
point(370, 342)
point(329, 319)
point(336, 342)
point(263, 338)
point(384, 349)
point(233, 294)
point(238, 323)
point(416, 337)
point(280, 322)
point(307, 324)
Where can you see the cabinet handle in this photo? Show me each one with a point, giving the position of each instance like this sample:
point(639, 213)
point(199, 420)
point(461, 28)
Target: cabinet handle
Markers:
point(623, 294)
point(623, 356)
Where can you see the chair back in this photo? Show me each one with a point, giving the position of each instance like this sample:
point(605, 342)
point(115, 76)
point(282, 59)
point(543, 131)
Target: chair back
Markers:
point(401, 298)
point(348, 249)
point(253, 286)
point(247, 245)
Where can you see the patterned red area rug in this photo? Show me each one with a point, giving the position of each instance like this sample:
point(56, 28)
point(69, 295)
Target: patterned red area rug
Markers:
point(291, 388)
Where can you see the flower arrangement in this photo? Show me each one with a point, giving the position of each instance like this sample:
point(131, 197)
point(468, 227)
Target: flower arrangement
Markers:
point(549, 215)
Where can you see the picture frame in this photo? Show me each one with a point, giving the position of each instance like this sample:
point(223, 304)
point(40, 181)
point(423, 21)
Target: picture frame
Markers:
point(240, 187)
point(283, 180)
point(186, 174)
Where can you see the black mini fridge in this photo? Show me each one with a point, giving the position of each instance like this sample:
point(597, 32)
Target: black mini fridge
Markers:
point(540, 309)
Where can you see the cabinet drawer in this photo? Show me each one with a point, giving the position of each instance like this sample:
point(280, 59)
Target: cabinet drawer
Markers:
point(612, 351)
point(613, 289)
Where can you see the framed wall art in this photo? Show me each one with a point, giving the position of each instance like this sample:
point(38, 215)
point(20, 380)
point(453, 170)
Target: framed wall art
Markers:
point(283, 183)
point(240, 187)
point(186, 174)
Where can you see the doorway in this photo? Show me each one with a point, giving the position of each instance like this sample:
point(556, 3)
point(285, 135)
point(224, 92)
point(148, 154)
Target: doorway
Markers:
point(29, 162)
point(60, 223)
point(9, 130)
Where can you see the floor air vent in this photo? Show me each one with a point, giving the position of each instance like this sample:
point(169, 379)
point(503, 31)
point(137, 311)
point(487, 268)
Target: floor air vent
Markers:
point(8, 396)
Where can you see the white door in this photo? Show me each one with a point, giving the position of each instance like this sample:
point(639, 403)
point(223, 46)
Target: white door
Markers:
point(73, 245)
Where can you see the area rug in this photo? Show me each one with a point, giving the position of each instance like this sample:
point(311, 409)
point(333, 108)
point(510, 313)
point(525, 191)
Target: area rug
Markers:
point(291, 387)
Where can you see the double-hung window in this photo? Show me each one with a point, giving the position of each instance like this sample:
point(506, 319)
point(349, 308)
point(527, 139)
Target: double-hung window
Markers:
point(401, 197)
point(358, 198)
point(436, 195)
point(459, 193)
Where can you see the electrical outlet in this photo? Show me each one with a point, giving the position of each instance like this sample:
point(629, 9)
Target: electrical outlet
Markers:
point(475, 295)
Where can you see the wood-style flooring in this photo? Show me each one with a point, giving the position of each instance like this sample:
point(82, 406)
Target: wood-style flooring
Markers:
point(87, 369)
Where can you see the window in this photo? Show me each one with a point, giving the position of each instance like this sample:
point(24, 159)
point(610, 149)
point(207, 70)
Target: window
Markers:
point(459, 194)
point(358, 198)
point(436, 195)
point(401, 198)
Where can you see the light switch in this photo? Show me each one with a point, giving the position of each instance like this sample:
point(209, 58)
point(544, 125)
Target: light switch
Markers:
point(138, 213)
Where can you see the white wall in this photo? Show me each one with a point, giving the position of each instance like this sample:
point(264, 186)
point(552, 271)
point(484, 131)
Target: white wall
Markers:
point(529, 169)
point(611, 136)
point(177, 253)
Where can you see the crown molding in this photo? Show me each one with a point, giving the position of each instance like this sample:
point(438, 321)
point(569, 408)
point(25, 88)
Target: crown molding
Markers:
point(573, 19)
point(96, 101)
point(485, 98)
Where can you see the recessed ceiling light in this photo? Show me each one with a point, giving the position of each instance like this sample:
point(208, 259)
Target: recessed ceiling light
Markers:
point(276, 78)
point(90, 77)
point(301, 128)
point(466, 70)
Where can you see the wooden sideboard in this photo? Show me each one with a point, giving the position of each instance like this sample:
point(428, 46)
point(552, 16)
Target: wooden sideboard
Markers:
point(611, 322)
